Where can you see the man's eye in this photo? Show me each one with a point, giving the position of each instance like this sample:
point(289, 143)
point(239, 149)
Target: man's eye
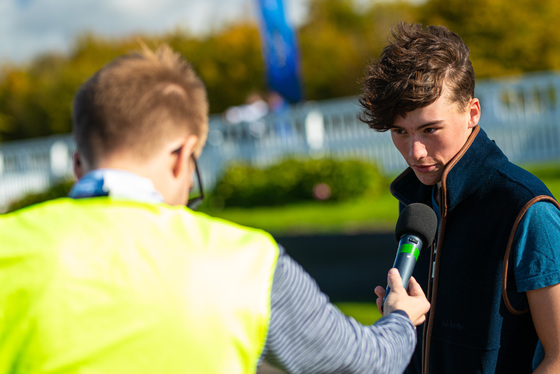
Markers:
point(430, 130)
point(398, 131)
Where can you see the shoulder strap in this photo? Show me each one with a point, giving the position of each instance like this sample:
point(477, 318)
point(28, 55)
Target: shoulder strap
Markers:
point(510, 244)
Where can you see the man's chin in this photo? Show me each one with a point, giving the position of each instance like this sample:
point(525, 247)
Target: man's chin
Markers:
point(428, 179)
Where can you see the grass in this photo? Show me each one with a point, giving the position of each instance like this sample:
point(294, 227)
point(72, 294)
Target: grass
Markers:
point(365, 313)
point(553, 185)
point(362, 215)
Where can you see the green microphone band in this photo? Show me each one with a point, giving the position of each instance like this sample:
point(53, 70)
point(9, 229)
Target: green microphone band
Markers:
point(409, 248)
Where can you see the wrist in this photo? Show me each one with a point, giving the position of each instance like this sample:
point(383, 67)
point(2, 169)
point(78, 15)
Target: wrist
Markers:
point(401, 312)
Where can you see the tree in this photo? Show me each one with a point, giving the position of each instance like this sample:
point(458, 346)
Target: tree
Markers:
point(228, 61)
point(338, 40)
point(504, 38)
point(35, 99)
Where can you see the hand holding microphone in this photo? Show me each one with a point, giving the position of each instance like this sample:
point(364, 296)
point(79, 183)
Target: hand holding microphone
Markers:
point(416, 229)
point(413, 302)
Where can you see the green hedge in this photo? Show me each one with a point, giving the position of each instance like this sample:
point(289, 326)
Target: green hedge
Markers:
point(57, 190)
point(294, 180)
point(287, 182)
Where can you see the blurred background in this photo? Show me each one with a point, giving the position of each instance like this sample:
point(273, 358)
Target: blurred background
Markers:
point(285, 150)
point(282, 79)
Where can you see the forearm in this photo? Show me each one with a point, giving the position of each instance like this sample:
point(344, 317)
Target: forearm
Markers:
point(550, 365)
point(309, 335)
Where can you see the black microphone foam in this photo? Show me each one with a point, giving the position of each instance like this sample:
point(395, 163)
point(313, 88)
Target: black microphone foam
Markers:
point(417, 219)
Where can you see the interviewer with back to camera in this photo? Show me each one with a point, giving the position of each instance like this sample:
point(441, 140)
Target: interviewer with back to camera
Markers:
point(121, 277)
point(493, 273)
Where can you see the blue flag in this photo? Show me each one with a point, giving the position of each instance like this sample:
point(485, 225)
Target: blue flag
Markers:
point(280, 51)
point(23, 3)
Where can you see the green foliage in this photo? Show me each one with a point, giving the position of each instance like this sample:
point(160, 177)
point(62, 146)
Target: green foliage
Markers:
point(544, 171)
point(504, 37)
point(229, 61)
point(36, 99)
point(366, 214)
point(337, 40)
point(377, 212)
point(57, 190)
point(294, 180)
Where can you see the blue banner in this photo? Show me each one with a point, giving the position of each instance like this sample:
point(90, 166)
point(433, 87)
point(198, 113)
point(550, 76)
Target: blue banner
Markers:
point(281, 54)
point(23, 3)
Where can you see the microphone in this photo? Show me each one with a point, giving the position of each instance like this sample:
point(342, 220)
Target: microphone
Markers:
point(416, 229)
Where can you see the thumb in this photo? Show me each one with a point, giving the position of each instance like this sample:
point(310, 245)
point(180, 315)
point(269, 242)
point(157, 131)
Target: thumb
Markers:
point(394, 280)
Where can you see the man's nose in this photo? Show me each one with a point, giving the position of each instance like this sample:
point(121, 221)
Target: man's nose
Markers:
point(417, 149)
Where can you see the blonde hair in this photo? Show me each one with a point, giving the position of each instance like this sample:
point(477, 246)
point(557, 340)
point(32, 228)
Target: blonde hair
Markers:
point(137, 102)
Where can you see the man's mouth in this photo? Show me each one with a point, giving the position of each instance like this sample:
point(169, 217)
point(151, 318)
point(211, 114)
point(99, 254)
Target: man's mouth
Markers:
point(423, 168)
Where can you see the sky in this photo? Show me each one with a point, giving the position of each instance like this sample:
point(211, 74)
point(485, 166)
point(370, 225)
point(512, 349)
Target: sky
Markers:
point(31, 27)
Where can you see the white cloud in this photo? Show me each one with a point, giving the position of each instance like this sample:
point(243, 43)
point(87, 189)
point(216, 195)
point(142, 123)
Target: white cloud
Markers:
point(31, 27)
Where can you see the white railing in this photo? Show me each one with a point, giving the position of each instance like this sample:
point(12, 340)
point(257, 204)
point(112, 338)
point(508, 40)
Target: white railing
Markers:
point(520, 113)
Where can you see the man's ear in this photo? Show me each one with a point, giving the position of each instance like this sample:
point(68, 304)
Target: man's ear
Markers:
point(474, 112)
point(182, 155)
point(78, 165)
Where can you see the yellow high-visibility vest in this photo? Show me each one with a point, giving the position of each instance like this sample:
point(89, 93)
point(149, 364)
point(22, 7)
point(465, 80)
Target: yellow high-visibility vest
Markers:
point(108, 286)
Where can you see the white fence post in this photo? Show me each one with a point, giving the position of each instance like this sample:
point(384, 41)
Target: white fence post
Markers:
point(59, 159)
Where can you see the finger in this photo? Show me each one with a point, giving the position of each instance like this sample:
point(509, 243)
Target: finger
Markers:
point(379, 303)
point(394, 280)
point(379, 292)
point(414, 288)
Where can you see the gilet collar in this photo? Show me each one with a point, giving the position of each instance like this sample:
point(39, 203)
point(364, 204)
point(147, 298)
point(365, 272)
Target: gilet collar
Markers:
point(467, 172)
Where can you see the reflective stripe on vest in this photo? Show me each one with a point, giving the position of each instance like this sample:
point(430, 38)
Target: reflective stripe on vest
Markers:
point(104, 286)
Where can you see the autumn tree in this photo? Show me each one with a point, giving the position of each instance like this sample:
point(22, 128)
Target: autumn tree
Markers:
point(504, 37)
point(229, 61)
point(35, 99)
point(340, 37)
point(337, 40)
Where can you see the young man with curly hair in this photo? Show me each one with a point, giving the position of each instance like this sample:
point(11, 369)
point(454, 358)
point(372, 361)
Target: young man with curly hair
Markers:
point(492, 273)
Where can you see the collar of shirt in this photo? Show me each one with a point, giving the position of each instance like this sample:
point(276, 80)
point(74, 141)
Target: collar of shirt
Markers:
point(115, 183)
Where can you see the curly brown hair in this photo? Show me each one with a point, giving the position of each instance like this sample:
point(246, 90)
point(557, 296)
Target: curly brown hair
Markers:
point(411, 72)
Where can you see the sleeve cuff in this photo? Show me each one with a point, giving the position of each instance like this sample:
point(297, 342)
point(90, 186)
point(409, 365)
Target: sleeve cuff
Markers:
point(401, 312)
